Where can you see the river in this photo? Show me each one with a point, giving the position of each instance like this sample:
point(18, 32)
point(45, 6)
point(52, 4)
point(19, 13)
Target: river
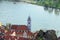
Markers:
point(41, 17)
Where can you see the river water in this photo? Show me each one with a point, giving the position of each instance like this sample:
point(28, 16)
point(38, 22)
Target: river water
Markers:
point(41, 17)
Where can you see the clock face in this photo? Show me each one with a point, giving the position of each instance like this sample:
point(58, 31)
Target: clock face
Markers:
point(29, 23)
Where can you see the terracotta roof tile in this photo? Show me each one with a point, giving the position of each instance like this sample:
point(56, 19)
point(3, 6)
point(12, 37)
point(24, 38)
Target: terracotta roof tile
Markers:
point(19, 33)
point(30, 33)
point(19, 27)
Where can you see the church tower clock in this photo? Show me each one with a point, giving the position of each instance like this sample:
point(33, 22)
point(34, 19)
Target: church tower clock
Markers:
point(29, 23)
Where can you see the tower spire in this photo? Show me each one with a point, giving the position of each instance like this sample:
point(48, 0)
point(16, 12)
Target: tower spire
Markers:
point(29, 23)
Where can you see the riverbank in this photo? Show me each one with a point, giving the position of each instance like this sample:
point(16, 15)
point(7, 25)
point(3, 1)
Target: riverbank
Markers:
point(51, 4)
point(45, 3)
point(24, 9)
point(48, 4)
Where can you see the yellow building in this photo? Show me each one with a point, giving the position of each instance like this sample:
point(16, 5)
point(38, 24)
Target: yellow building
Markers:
point(0, 24)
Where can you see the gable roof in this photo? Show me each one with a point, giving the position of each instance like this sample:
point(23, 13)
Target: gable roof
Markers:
point(19, 27)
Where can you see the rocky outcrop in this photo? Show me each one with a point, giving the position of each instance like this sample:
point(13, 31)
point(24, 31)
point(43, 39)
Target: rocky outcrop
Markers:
point(48, 35)
point(58, 38)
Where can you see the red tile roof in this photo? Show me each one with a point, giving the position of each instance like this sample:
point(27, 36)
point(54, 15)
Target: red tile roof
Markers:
point(21, 38)
point(14, 37)
point(21, 33)
point(22, 27)
point(9, 32)
point(2, 30)
point(19, 27)
point(30, 33)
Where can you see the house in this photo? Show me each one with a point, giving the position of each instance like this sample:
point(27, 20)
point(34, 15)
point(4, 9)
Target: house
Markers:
point(17, 32)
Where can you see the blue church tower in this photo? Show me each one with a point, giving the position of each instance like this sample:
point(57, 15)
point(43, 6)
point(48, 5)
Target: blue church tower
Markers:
point(29, 23)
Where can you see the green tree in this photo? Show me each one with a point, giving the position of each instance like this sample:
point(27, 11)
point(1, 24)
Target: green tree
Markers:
point(40, 35)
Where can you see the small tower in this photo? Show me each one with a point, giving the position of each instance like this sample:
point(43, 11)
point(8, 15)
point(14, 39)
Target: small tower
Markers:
point(29, 23)
point(8, 26)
